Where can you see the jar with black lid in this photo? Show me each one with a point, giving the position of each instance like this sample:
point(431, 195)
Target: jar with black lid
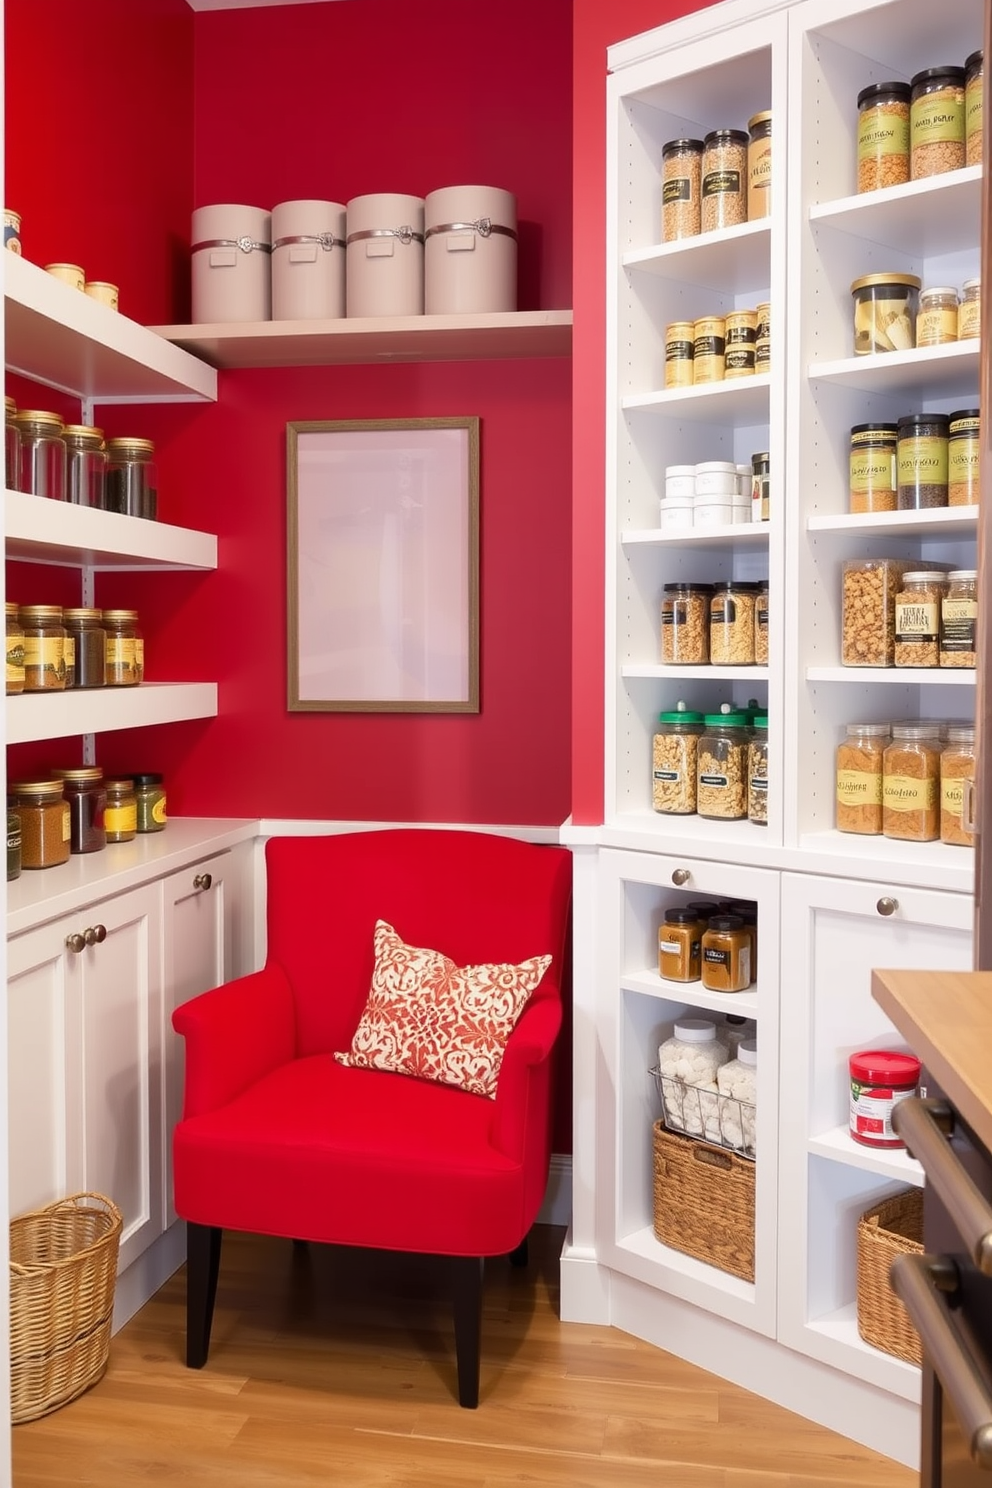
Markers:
point(732, 623)
point(132, 482)
point(15, 650)
point(125, 653)
point(150, 798)
point(87, 797)
point(685, 624)
point(921, 458)
point(84, 627)
point(86, 465)
point(974, 80)
point(936, 122)
point(724, 188)
point(872, 483)
point(883, 135)
point(681, 172)
point(44, 648)
point(121, 815)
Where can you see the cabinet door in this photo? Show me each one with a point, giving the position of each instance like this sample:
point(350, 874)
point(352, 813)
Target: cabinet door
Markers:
point(42, 1081)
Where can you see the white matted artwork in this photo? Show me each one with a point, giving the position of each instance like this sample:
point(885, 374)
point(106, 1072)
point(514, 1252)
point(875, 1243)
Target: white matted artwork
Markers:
point(383, 565)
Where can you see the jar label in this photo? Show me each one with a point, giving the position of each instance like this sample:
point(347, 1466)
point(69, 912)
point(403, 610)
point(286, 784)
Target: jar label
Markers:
point(740, 359)
point(938, 118)
point(708, 346)
point(761, 618)
point(741, 332)
point(969, 319)
point(935, 327)
point(960, 621)
point(873, 470)
point(46, 653)
point(759, 783)
point(952, 796)
point(676, 189)
point(120, 651)
point(962, 461)
point(121, 819)
point(158, 812)
point(859, 788)
point(922, 459)
point(70, 651)
point(66, 822)
point(714, 956)
point(15, 661)
point(882, 134)
point(759, 166)
point(720, 781)
point(670, 947)
point(667, 775)
point(721, 182)
point(677, 351)
point(871, 1111)
point(139, 653)
point(907, 793)
point(973, 107)
point(917, 621)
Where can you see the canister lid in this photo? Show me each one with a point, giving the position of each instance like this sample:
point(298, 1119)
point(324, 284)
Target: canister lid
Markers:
point(760, 721)
point(675, 470)
point(148, 777)
point(119, 616)
point(728, 720)
point(80, 775)
point(912, 421)
point(82, 432)
point(726, 922)
point(41, 612)
point(80, 614)
point(38, 416)
point(716, 466)
point(733, 586)
point(704, 908)
point(885, 1067)
point(747, 1051)
point(874, 428)
point(933, 74)
point(695, 1030)
point(975, 60)
point(678, 146)
point(873, 730)
point(725, 137)
point(975, 284)
point(939, 290)
point(688, 588)
point(11, 608)
point(962, 575)
point(761, 118)
point(870, 281)
point(10, 405)
point(925, 576)
point(960, 733)
point(679, 914)
point(763, 457)
point(126, 445)
point(122, 785)
point(687, 716)
point(35, 788)
point(883, 90)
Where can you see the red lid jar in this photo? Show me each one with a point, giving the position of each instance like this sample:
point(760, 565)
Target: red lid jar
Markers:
point(880, 1078)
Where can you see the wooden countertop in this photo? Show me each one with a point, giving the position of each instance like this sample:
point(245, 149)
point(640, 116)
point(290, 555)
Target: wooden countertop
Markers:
point(946, 1018)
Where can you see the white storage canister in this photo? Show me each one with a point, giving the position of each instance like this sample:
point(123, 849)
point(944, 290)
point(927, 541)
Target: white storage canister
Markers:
point(470, 251)
point(308, 251)
point(231, 246)
point(385, 273)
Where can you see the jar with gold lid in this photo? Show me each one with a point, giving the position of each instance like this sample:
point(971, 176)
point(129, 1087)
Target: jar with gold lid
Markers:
point(121, 815)
point(132, 482)
point(970, 310)
point(125, 653)
point(44, 648)
point(42, 453)
point(45, 823)
point(86, 465)
point(88, 664)
point(15, 650)
point(87, 797)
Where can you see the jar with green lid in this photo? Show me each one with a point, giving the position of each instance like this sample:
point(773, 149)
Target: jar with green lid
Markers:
point(885, 307)
point(964, 443)
point(936, 122)
point(757, 772)
point(121, 816)
point(12, 447)
point(87, 797)
point(883, 136)
point(85, 465)
point(125, 653)
point(937, 317)
point(42, 453)
point(721, 767)
point(685, 624)
point(681, 179)
point(88, 664)
point(15, 650)
point(974, 79)
point(150, 796)
point(44, 648)
point(132, 481)
point(759, 165)
point(921, 461)
point(13, 845)
point(959, 619)
point(673, 763)
point(45, 825)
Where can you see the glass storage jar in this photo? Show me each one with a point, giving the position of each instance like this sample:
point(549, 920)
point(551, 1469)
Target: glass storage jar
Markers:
point(959, 619)
point(885, 307)
point(12, 447)
point(150, 796)
point(86, 465)
point(936, 122)
point(964, 436)
point(125, 655)
point(732, 623)
point(761, 624)
point(921, 461)
point(45, 825)
point(739, 343)
point(121, 814)
point(685, 624)
point(760, 479)
point(679, 347)
point(679, 945)
point(726, 964)
point(970, 310)
point(872, 485)
point(674, 751)
point(709, 349)
point(910, 783)
point(13, 845)
point(733, 1029)
point(759, 165)
point(42, 453)
point(44, 648)
point(859, 778)
point(757, 772)
point(681, 178)
point(15, 650)
point(883, 136)
point(87, 797)
point(763, 338)
point(974, 82)
point(957, 775)
point(132, 481)
point(724, 189)
point(918, 606)
point(687, 1066)
point(84, 628)
point(737, 1082)
point(721, 767)
point(937, 317)
point(868, 610)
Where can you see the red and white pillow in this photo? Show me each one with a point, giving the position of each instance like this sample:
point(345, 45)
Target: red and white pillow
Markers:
point(429, 1018)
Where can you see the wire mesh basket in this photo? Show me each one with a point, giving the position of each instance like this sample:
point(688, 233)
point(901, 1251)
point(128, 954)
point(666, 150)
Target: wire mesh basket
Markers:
point(706, 1114)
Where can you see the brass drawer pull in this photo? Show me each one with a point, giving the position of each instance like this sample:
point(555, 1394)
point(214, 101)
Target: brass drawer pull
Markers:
point(924, 1126)
point(887, 906)
point(202, 881)
point(681, 876)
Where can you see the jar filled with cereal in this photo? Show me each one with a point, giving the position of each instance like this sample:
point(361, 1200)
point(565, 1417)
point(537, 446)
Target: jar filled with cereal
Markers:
point(957, 776)
point(732, 623)
point(911, 783)
point(757, 772)
point(681, 178)
point(721, 772)
point(936, 122)
point(959, 619)
point(974, 83)
point(761, 624)
point(724, 189)
point(918, 605)
point(685, 624)
point(859, 778)
point(674, 759)
point(883, 136)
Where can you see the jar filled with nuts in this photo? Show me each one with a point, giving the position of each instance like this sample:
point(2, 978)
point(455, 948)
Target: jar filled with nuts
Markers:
point(724, 179)
point(674, 760)
point(957, 775)
point(936, 122)
point(732, 623)
point(761, 624)
point(868, 611)
point(757, 772)
point(883, 136)
point(910, 784)
point(918, 605)
point(685, 624)
point(859, 778)
point(959, 619)
point(681, 177)
point(721, 771)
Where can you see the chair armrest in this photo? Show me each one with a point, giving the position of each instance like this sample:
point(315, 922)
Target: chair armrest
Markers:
point(235, 1034)
point(524, 1078)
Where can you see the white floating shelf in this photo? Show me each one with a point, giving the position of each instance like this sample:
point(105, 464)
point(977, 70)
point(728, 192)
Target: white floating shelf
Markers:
point(839, 1146)
point(732, 260)
point(57, 532)
point(894, 676)
point(954, 521)
point(705, 673)
point(60, 337)
point(949, 371)
point(59, 715)
point(693, 993)
point(654, 831)
point(938, 215)
point(409, 338)
point(743, 400)
point(697, 537)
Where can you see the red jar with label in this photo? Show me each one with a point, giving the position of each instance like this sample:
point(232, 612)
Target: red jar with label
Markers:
point(880, 1079)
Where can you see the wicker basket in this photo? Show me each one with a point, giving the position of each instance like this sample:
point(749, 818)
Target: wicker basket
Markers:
point(891, 1228)
point(63, 1267)
point(704, 1202)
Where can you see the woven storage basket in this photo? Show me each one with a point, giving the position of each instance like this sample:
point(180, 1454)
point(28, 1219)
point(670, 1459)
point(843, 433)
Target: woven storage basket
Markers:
point(704, 1202)
point(63, 1267)
point(886, 1230)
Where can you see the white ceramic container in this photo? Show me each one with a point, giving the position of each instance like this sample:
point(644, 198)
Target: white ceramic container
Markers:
point(716, 478)
point(308, 260)
point(385, 270)
point(680, 480)
point(230, 246)
point(675, 513)
point(713, 511)
point(470, 251)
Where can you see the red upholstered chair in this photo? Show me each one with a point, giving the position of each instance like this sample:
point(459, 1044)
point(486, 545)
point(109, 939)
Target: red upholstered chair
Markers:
point(278, 1138)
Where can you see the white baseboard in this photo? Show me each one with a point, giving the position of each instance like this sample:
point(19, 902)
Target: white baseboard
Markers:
point(557, 1206)
point(152, 1269)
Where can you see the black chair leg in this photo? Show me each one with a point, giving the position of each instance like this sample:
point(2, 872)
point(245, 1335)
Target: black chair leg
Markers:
point(468, 1272)
point(202, 1265)
point(521, 1255)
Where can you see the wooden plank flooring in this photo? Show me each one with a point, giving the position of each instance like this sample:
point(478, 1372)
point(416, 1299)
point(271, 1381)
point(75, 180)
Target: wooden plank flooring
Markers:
point(337, 1367)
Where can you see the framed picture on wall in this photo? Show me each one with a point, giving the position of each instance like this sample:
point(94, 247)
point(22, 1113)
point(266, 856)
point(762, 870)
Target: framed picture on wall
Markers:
point(383, 565)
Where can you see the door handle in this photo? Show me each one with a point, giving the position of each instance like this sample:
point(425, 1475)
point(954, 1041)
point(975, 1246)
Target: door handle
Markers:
point(75, 943)
point(681, 876)
point(202, 881)
point(924, 1126)
point(95, 935)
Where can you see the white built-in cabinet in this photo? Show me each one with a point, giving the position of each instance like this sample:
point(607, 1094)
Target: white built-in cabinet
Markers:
point(830, 906)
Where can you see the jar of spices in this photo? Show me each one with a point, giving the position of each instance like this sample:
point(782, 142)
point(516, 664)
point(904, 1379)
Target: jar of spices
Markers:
point(732, 623)
point(763, 337)
point(86, 465)
point(709, 349)
point(883, 136)
point(918, 605)
point(121, 814)
point(84, 629)
point(44, 648)
point(880, 1079)
point(747, 910)
point(741, 331)
point(674, 757)
point(132, 482)
point(42, 453)
point(937, 317)
point(125, 654)
point(761, 624)
point(678, 353)
point(936, 122)
point(974, 80)
point(957, 775)
point(45, 826)
point(910, 784)
point(970, 310)
point(687, 1066)
point(759, 165)
point(757, 773)
point(724, 189)
point(885, 307)
point(964, 431)
point(87, 797)
point(760, 478)
point(685, 624)
point(859, 778)
point(12, 447)
point(681, 176)
point(737, 1082)
point(959, 619)
point(872, 485)
point(726, 964)
point(921, 461)
point(679, 945)
point(150, 796)
point(15, 650)
point(721, 767)
point(13, 845)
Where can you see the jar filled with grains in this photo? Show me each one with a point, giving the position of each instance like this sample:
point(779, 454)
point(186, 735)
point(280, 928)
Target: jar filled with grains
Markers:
point(45, 825)
point(936, 122)
point(732, 623)
point(859, 778)
point(883, 136)
point(125, 650)
point(937, 317)
point(974, 78)
point(84, 628)
point(675, 750)
point(685, 624)
point(709, 349)
point(679, 346)
point(15, 650)
point(963, 457)
point(681, 177)
point(44, 648)
point(918, 606)
point(761, 624)
point(970, 310)
point(957, 775)
point(87, 797)
point(724, 184)
point(872, 485)
point(679, 945)
point(921, 461)
point(721, 769)
point(759, 165)
point(959, 619)
point(757, 772)
point(121, 815)
point(868, 610)
point(910, 784)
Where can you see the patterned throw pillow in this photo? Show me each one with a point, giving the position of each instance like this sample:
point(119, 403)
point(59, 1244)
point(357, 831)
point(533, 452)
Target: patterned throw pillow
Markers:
point(427, 1017)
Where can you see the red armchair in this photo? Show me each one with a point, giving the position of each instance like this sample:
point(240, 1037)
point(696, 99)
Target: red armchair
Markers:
point(278, 1138)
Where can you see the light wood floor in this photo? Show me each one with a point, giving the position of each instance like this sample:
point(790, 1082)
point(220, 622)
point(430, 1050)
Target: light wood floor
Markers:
point(337, 1367)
